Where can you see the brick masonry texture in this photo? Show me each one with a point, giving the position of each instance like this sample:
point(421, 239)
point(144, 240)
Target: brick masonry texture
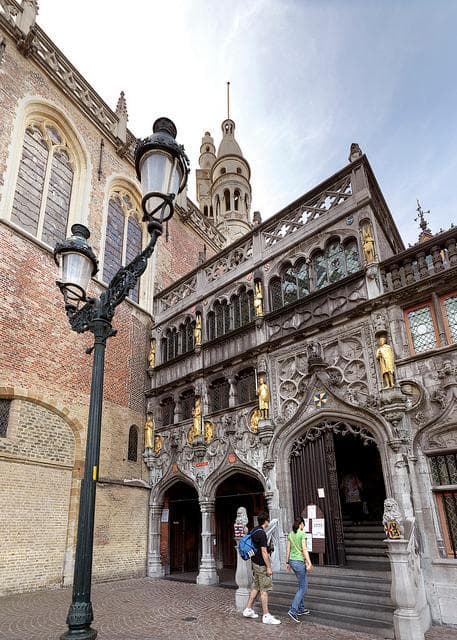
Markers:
point(160, 610)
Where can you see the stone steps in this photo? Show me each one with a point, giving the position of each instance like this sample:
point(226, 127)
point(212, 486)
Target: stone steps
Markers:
point(344, 597)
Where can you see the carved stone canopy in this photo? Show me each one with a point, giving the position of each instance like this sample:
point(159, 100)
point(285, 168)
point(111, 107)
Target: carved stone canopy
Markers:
point(339, 428)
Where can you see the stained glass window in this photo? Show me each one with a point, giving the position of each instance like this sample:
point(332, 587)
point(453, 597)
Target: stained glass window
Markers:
point(320, 270)
point(132, 453)
point(211, 322)
point(236, 311)
point(450, 305)
point(444, 474)
point(123, 236)
point(351, 253)
point(44, 184)
point(168, 411)
point(289, 286)
point(244, 308)
point(422, 329)
point(219, 394)
point(186, 336)
point(187, 404)
point(245, 386)
point(302, 279)
point(276, 294)
point(4, 417)
point(335, 262)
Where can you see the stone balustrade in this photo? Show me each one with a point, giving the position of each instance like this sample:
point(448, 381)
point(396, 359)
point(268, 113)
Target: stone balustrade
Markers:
point(423, 260)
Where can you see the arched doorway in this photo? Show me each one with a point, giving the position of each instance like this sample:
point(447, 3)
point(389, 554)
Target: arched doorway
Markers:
point(321, 461)
point(238, 490)
point(184, 528)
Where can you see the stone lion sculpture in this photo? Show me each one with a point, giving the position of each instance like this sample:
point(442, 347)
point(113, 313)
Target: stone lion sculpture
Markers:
point(392, 519)
point(240, 525)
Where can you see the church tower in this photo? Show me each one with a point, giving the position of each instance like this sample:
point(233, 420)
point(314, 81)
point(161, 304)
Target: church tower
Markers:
point(223, 184)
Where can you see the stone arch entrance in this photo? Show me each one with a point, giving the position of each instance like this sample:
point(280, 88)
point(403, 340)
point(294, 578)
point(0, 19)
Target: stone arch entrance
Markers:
point(237, 490)
point(184, 528)
point(336, 466)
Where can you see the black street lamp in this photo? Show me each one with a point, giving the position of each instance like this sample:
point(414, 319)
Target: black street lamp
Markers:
point(163, 167)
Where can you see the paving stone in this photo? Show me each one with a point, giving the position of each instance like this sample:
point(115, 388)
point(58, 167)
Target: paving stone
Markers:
point(146, 609)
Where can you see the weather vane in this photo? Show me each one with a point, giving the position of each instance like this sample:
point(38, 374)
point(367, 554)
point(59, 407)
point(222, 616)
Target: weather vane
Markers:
point(228, 100)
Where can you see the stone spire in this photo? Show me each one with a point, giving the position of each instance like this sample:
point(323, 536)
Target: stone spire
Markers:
point(121, 112)
point(425, 232)
point(203, 175)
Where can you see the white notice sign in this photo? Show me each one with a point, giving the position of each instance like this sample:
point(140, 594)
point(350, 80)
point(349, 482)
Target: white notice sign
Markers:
point(319, 528)
point(309, 542)
point(311, 511)
point(320, 492)
point(307, 529)
point(164, 517)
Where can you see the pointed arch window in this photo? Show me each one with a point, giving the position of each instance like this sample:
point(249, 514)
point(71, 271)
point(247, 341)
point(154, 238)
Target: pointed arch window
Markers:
point(219, 394)
point(336, 262)
point(44, 186)
point(187, 404)
point(186, 336)
point(293, 285)
point(211, 325)
point(170, 345)
point(236, 199)
point(168, 411)
point(132, 453)
point(123, 240)
point(221, 318)
point(4, 417)
point(227, 199)
point(245, 386)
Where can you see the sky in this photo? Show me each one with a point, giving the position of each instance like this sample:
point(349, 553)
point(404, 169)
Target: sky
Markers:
point(308, 78)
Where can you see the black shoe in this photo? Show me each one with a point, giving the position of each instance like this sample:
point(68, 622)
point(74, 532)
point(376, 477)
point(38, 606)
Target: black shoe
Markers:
point(293, 616)
point(305, 612)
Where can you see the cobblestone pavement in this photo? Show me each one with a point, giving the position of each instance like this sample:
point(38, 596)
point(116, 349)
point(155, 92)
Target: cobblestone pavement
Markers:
point(159, 610)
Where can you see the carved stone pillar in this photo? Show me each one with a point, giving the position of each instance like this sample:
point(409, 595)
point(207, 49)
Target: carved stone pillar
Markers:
point(243, 578)
point(412, 614)
point(208, 572)
point(155, 568)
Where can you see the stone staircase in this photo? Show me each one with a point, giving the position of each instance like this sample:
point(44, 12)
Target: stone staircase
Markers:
point(356, 596)
point(364, 543)
point(353, 597)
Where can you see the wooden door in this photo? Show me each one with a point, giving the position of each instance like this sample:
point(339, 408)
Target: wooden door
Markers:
point(313, 466)
point(185, 536)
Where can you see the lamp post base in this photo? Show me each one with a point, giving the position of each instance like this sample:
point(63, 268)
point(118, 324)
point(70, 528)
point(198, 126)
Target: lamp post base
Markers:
point(79, 634)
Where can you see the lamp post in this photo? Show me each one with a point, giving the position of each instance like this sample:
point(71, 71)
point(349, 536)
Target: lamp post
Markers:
point(163, 167)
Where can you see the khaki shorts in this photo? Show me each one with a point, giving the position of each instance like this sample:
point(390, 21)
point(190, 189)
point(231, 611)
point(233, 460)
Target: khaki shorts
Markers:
point(260, 580)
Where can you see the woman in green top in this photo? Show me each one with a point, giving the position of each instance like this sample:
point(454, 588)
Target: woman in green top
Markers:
point(297, 559)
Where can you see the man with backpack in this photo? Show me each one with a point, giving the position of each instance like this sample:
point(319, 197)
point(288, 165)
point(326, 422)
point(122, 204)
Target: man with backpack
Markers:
point(261, 572)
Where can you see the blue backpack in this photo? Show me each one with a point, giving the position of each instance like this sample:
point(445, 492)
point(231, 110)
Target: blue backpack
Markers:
point(246, 546)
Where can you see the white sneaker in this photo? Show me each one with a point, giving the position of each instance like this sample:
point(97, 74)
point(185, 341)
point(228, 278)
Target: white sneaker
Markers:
point(269, 619)
point(250, 613)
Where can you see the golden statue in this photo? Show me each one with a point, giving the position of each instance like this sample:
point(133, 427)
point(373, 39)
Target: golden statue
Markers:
point(149, 431)
point(254, 421)
point(198, 330)
point(386, 358)
point(152, 354)
point(196, 428)
point(258, 299)
point(158, 444)
point(208, 432)
point(263, 393)
point(368, 242)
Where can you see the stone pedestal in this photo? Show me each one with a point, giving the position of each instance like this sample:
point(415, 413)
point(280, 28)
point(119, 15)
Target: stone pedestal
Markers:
point(208, 573)
point(412, 613)
point(243, 579)
point(265, 430)
point(155, 568)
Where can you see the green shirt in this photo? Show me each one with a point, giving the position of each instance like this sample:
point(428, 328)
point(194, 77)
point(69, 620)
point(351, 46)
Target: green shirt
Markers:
point(295, 540)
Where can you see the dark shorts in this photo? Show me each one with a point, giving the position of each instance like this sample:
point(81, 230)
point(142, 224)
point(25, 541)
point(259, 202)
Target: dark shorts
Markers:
point(260, 580)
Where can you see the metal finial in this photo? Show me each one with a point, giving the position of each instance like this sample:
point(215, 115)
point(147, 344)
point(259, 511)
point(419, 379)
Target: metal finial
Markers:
point(421, 217)
point(228, 100)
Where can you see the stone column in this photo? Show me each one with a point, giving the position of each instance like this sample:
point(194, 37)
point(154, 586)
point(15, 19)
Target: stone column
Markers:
point(208, 573)
point(412, 615)
point(243, 578)
point(155, 568)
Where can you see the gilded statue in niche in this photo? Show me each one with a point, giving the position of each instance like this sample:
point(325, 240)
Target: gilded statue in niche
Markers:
point(158, 444)
point(258, 299)
point(208, 432)
point(263, 393)
point(196, 428)
point(254, 421)
point(386, 359)
point(149, 431)
point(152, 354)
point(198, 330)
point(368, 242)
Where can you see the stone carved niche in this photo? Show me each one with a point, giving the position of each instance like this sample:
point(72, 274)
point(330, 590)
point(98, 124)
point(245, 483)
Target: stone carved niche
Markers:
point(346, 367)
